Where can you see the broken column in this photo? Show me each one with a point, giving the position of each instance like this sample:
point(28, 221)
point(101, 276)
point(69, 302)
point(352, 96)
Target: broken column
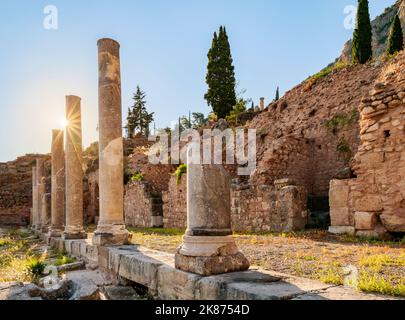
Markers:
point(40, 192)
point(74, 171)
point(208, 246)
point(111, 227)
point(58, 185)
point(34, 209)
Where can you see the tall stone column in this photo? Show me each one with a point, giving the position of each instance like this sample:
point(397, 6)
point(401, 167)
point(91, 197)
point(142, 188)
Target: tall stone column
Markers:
point(58, 185)
point(45, 207)
point(111, 227)
point(40, 191)
point(208, 246)
point(34, 198)
point(74, 171)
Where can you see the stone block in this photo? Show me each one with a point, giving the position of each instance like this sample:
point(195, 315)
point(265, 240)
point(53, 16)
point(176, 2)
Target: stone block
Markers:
point(76, 248)
point(340, 217)
point(68, 246)
point(365, 220)
point(342, 230)
point(369, 203)
point(176, 285)
point(92, 254)
point(339, 193)
point(141, 269)
point(103, 256)
point(215, 287)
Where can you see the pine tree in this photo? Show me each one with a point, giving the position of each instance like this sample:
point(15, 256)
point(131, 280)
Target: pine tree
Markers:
point(362, 36)
point(141, 117)
point(396, 39)
point(277, 94)
point(130, 124)
point(221, 95)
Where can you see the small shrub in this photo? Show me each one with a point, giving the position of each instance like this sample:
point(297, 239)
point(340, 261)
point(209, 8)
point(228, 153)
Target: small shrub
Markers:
point(370, 282)
point(137, 177)
point(340, 121)
point(36, 267)
point(63, 259)
point(328, 70)
point(181, 169)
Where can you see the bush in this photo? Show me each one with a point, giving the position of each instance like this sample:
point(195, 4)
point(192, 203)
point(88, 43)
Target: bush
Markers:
point(328, 70)
point(36, 267)
point(181, 169)
point(138, 177)
point(63, 259)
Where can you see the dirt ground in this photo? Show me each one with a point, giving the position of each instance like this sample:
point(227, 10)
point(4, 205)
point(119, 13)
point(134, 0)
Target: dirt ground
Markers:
point(370, 266)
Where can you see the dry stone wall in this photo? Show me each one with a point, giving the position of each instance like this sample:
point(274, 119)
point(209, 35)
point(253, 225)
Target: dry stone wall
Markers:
point(374, 203)
point(175, 204)
point(142, 208)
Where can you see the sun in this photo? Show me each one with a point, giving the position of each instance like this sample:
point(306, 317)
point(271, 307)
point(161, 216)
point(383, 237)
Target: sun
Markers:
point(64, 123)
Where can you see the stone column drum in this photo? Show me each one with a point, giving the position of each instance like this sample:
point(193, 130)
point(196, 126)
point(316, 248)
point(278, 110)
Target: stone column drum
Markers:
point(208, 246)
point(58, 185)
point(111, 227)
point(40, 192)
point(34, 198)
point(74, 171)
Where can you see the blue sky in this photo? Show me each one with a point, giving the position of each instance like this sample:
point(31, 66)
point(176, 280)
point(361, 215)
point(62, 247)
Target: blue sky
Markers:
point(163, 49)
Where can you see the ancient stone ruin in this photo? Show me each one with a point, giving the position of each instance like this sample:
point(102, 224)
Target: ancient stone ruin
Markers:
point(373, 204)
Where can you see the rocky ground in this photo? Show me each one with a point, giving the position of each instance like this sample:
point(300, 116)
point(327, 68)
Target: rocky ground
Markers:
point(370, 266)
point(23, 259)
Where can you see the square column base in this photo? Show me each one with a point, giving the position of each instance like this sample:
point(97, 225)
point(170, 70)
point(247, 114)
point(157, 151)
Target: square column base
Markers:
point(55, 233)
point(111, 239)
point(209, 266)
point(74, 235)
point(210, 255)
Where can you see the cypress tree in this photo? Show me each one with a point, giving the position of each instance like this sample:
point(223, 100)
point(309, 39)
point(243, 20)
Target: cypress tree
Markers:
point(362, 36)
point(221, 95)
point(277, 94)
point(396, 39)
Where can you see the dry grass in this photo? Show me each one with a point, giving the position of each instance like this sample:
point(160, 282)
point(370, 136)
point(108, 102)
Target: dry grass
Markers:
point(379, 265)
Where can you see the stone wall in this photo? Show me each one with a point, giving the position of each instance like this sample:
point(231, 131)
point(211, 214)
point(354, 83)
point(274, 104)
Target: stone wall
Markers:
point(175, 204)
point(142, 207)
point(374, 202)
point(16, 189)
point(278, 207)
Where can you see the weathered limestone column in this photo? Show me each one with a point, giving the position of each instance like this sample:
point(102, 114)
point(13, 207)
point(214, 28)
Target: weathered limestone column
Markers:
point(74, 171)
point(58, 185)
point(40, 192)
point(208, 246)
point(45, 207)
point(34, 198)
point(111, 227)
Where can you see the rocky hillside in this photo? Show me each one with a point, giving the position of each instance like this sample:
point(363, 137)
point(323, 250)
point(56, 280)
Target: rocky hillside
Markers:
point(311, 134)
point(381, 28)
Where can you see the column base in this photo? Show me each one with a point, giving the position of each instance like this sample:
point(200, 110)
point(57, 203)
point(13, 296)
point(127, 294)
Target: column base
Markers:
point(45, 229)
point(111, 235)
point(208, 256)
point(55, 233)
point(74, 235)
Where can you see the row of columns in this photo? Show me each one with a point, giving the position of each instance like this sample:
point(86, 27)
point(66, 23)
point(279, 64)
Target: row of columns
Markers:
point(65, 217)
point(208, 247)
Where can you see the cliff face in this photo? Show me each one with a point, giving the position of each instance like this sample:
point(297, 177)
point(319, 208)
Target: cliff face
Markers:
point(381, 29)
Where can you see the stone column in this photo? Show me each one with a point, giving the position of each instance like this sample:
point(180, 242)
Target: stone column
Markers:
point(262, 104)
point(45, 207)
point(111, 227)
point(74, 171)
point(34, 198)
point(208, 246)
point(58, 185)
point(40, 192)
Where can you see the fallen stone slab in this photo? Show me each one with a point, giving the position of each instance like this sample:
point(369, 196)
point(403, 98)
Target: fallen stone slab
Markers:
point(61, 291)
point(79, 265)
